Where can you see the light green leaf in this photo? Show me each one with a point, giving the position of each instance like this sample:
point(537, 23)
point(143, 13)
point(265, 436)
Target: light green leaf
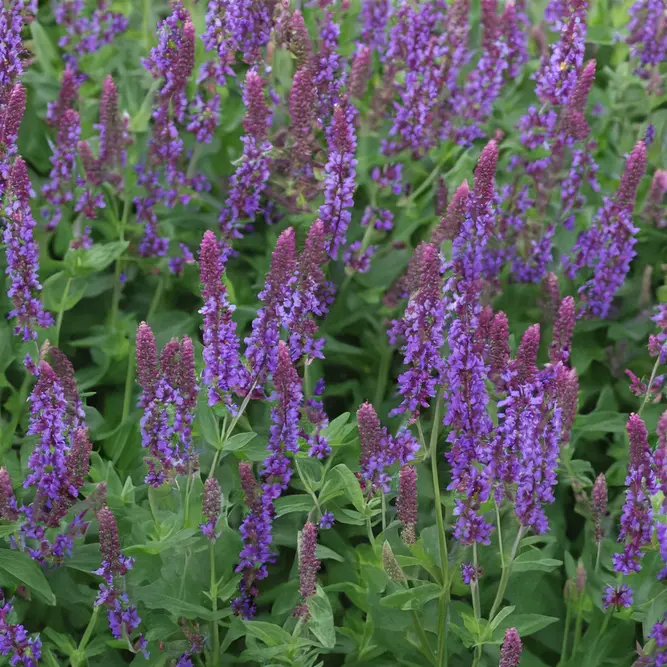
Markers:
point(23, 568)
point(321, 622)
point(413, 598)
point(534, 560)
point(269, 633)
point(238, 441)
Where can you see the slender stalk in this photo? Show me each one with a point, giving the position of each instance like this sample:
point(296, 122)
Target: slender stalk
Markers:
point(306, 485)
point(383, 371)
point(129, 381)
point(504, 579)
point(650, 384)
point(566, 632)
point(384, 513)
point(500, 536)
point(423, 640)
point(369, 530)
point(115, 301)
point(442, 541)
point(152, 309)
point(8, 435)
point(578, 624)
point(214, 607)
point(192, 166)
point(79, 657)
point(61, 310)
point(597, 557)
point(476, 605)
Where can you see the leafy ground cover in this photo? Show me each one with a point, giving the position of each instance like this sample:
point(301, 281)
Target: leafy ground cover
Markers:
point(335, 333)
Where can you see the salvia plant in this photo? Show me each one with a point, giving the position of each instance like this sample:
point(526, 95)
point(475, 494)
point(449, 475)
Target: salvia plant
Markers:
point(335, 333)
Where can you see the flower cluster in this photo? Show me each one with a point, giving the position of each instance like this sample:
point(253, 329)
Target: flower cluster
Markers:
point(309, 565)
point(169, 398)
point(15, 641)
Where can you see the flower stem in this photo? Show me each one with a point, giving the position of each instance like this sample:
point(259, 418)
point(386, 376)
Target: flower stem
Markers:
point(423, 640)
point(129, 378)
point(500, 536)
point(578, 625)
point(214, 607)
point(504, 579)
point(156, 299)
point(61, 310)
point(650, 384)
point(442, 541)
point(475, 599)
point(566, 632)
point(79, 656)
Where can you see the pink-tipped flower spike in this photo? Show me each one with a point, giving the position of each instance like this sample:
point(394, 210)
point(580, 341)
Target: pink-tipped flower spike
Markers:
point(510, 651)
point(112, 141)
point(407, 503)
point(637, 518)
point(567, 397)
point(302, 117)
point(147, 362)
point(360, 72)
point(575, 117)
point(559, 349)
point(525, 363)
point(450, 223)
point(67, 98)
point(299, 41)
point(13, 115)
point(654, 209)
point(635, 166)
point(551, 296)
point(8, 507)
point(599, 505)
point(222, 367)
point(210, 507)
point(499, 348)
point(309, 566)
point(485, 176)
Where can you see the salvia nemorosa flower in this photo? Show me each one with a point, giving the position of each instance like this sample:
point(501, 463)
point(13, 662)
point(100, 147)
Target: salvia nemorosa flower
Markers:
point(374, 454)
point(659, 634)
point(326, 521)
point(648, 38)
point(313, 295)
point(8, 507)
point(210, 506)
point(407, 503)
point(222, 372)
point(567, 396)
point(249, 180)
point(298, 40)
point(498, 348)
point(276, 472)
point(637, 517)
point(339, 184)
point(22, 253)
point(122, 615)
point(382, 219)
point(169, 399)
point(11, 115)
point(599, 505)
point(12, 19)
point(360, 72)
point(309, 566)
point(277, 300)
point(466, 395)
point(302, 118)
point(510, 651)
point(607, 247)
point(328, 73)
point(617, 597)
point(389, 176)
point(15, 641)
point(422, 329)
point(375, 19)
point(162, 174)
point(87, 32)
point(654, 209)
point(357, 259)
point(451, 221)
point(559, 350)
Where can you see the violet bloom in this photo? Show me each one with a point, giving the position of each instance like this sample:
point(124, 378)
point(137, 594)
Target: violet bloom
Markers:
point(277, 302)
point(360, 72)
point(358, 260)
point(252, 174)
point(302, 119)
point(317, 442)
point(12, 20)
point(22, 253)
point(11, 114)
point(328, 74)
point(276, 473)
point(313, 295)
point(381, 219)
point(654, 209)
point(637, 517)
point(617, 597)
point(58, 190)
point(375, 17)
point(169, 398)
point(498, 353)
point(659, 634)
point(451, 221)
point(465, 370)
point(15, 641)
point(607, 247)
point(407, 503)
point(423, 330)
point(648, 38)
point(210, 507)
point(339, 184)
point(559, 350)
point(510, 651)
point(122, 615)
point(162, 174)
point(87, 34)
point(222, 372)
point(8, 506)
point(389, 176)
point(309, 566)
point(327, 521)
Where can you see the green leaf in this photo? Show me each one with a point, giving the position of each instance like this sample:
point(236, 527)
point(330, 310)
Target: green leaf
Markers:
point(501, 616)
point(534, 560)
point(154, 597)
point(102, 255)
point(526, 624)
point(62, 292)
point(238, 441)
point(24, 568)
point(207, 421)
point(324, 553)
point(141, 119)
point(289, 504)
point(350, 485)
point(269, 633)
point(44, 49)
point(321, 622)
point(413, 598)
point(600, 422)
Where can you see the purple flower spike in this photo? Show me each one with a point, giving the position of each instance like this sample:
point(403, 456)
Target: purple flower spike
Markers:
point(309, 566)
point(567, 396)
point(559, 349)
point(340, 180)
point(252, 174)
point(407, 503)
point(360, 72)
point(525, 364)
point(641, 483)
point(499, 348)
point(67, 97)
point(450, 223)
point(510, 651)
point(277, 302)
point(422, 329)
point(302, 117)
point(648, 39)
point(210, 507)
point(22, 254)
point(14, 639)
point(607, 247)
point(8, 507)
point(222, 367)
point(599, 505)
